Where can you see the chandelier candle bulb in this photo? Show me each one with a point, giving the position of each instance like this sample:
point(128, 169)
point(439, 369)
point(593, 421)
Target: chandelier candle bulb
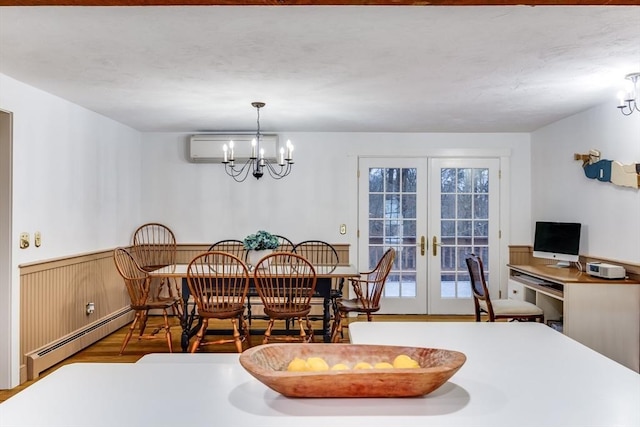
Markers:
point(225, 149)
point(253, 148)
point(289, 150)
point(231, 148)
point(281, 156)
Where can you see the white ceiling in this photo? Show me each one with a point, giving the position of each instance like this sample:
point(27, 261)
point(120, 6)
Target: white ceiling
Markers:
point(325, 68)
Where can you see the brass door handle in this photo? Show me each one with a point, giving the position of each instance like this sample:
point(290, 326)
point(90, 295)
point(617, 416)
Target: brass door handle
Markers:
point(423, 242)
point(434, 246)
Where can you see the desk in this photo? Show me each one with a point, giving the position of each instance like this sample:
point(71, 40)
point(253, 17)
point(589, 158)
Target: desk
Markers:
point(516, 375)
point(325, 276)
point(600, 313)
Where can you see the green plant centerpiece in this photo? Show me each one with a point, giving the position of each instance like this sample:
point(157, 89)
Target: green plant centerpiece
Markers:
point(260, 241)
point(259, 245)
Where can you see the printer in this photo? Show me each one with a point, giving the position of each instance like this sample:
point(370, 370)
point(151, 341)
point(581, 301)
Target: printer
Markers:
point(606, 271)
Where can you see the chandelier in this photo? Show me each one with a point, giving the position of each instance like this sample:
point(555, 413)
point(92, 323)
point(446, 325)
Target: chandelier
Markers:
point(257, 163)
point(629, 98)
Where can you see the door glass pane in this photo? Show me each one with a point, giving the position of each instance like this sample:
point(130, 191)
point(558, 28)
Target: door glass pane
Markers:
point(464, 226)
point(392, 224)
point(376, 206)
point(376, 180)
point(409, 181)
point(392, 180)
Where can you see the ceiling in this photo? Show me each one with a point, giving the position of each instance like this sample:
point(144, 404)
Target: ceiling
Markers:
point(325, 68)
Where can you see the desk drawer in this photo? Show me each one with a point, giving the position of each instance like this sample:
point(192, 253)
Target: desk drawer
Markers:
point(516, 290)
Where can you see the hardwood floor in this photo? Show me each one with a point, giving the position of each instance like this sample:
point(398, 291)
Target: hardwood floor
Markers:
point(106, 350)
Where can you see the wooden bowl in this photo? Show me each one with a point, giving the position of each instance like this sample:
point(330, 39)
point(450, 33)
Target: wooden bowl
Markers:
point(268, 363)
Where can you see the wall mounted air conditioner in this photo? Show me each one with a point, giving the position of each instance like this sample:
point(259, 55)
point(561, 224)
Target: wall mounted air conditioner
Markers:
point(207, 148)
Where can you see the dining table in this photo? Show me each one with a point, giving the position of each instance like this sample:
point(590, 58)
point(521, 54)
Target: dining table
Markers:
point(326, 275)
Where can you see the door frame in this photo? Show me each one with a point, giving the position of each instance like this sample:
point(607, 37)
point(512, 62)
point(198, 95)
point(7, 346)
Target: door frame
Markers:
point(7, 331)
point(504, 155)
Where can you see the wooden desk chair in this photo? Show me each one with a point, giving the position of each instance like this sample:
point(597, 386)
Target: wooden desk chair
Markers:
point(286, 282)
point(138, 285)
point(368, 290)
point(501, 308)
point(219, 282)
point(154, 246)
point(232, 246)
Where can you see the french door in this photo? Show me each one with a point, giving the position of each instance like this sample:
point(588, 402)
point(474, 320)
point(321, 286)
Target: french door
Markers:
point(432, 212)
point(464, 219)
point(392, 213)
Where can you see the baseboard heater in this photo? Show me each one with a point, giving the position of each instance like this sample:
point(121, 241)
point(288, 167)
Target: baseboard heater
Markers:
point(56, 351)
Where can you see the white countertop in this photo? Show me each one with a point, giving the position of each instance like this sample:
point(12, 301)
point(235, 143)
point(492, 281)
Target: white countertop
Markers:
point(516, 375)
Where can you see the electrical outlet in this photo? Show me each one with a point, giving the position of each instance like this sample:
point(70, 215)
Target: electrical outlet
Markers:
point(91, 307)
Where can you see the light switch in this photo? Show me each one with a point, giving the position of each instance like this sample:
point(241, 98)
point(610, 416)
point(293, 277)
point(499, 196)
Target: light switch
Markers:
point(37, 239)
point(24, 240)
point(343, 228)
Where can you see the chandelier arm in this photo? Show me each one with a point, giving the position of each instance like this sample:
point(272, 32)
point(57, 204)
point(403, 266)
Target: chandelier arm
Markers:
point(238, 175)
point(278, 174)
point(627, 110)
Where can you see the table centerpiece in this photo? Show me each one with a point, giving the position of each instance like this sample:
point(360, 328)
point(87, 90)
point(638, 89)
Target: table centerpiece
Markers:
point(259, 245)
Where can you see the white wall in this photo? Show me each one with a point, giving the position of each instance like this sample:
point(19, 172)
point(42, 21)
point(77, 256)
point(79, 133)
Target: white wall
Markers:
point(610, 214)
point(202, 204)
point(76, 179)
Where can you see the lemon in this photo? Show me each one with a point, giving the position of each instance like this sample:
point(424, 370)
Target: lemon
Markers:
point(383, 365)
point(404, 361)
point(363, 365)
point(298, 365)
point(317, 364)
point(339, 367)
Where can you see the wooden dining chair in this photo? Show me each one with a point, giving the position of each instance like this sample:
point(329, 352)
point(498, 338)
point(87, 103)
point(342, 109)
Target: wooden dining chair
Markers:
point(284, 244)
point(285, 283)
point(512, 309)
point(324, 257)
point(231, 246)
point(142, 300)
point(154, 246)
point(368, 291)
point(219, 282)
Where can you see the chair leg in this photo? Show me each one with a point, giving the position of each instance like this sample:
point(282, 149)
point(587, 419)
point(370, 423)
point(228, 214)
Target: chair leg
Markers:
point(143, 322)
point(130, 332)
point(167, 330)
point(199, 335)
point(336, 329)
point(310, 329)
point(236, 335)
point(177, 307)
point(267, 333)
point(245, 330)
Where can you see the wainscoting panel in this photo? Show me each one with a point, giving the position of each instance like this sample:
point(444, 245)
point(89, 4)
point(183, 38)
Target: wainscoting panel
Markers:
point(53, 298)
point(54, 323)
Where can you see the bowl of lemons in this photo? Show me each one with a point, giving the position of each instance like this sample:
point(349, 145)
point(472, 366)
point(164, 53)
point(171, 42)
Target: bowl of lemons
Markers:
point(351, 370)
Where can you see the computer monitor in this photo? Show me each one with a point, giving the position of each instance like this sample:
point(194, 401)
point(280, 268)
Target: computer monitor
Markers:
point(559, 241)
